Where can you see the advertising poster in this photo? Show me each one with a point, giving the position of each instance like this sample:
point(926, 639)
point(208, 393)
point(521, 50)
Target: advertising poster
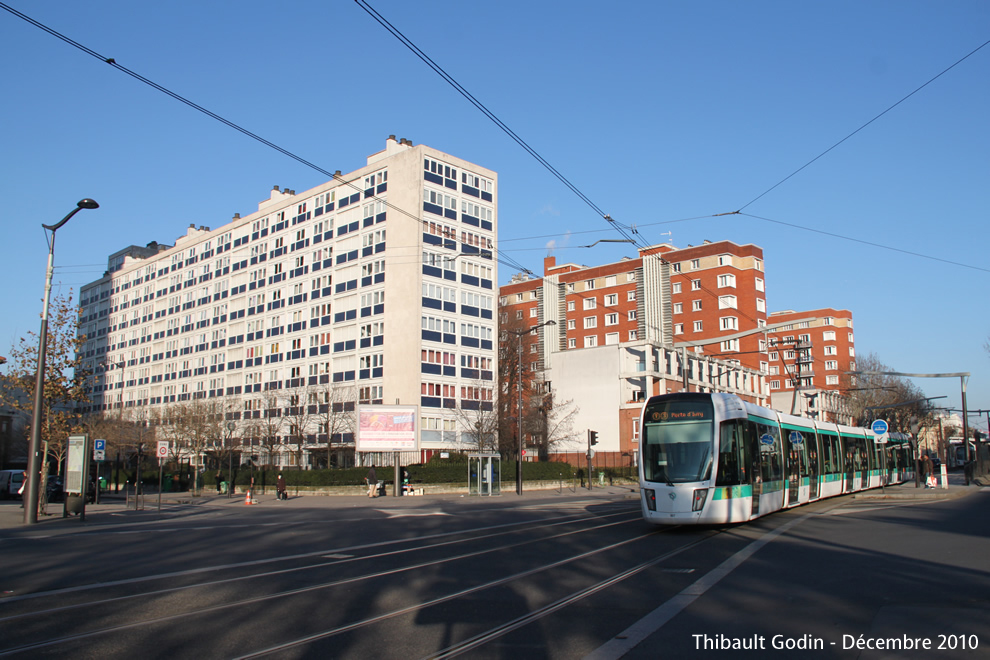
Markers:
point(387, 428)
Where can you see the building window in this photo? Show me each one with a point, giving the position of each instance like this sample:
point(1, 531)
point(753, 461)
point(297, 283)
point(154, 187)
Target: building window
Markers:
point(725, 260)
point(676, 268)
point(695, 264)
point(698, 326)
point(590, 303)
point(633, 335)
point(696, 285)
point(632, 314)
point(676, 287)
point(761, 305)
point(831, 365)
point(572, 343)
point(729, 323)
point(774, 384)
point(831, 380)
point(728, 280)
point(730, 345)
point(759, 283)
point(589, 285)
point(591, 342)
point(532, 312)
point(612, 319)
point(570, 305)
point(828, 335)
point(611, 300)
point(590, 322)
point(611, 338)
point(829, 320)
point(630, 295)
point(678, 328)
point(610, 280)
point(678, 308)
point(830, 350)
point(695, 305)
point(727, 302)
point(571, 324)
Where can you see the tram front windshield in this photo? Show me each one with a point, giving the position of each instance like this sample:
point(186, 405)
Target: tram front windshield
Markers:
point(677, 442)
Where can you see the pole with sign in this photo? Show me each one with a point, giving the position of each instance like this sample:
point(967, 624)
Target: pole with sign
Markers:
point(99, 455)
point(162, 454)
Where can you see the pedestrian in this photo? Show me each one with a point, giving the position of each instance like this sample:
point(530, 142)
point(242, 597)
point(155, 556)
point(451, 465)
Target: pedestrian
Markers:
point(929, 470)
point(372, 480)
point(280, 488)
point(219, 479)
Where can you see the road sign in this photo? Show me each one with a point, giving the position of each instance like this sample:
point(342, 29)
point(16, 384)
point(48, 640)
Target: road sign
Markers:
point(162, 449)
point(99, 445)
point(879, 427)
point(99, 455)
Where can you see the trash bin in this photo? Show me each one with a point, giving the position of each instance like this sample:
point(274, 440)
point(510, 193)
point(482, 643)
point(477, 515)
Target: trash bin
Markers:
point(223, 487)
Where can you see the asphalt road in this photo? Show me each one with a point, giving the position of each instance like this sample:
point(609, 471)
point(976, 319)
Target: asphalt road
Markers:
point(546, 575)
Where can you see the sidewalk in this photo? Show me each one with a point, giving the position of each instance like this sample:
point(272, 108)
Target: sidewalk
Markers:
point(112, 508)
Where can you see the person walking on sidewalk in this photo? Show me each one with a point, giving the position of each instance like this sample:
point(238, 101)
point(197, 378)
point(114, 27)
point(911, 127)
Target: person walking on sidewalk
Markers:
point(280, 488)
point(372, 480)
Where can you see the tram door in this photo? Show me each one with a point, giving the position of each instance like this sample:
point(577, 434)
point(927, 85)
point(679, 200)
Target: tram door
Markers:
point(795, 444)
point(754, 469)
point(813, 470)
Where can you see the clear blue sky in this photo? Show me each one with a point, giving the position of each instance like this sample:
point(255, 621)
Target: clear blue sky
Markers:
point(658, 112)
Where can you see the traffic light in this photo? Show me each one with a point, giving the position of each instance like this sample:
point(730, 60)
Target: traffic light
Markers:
point(592, 437)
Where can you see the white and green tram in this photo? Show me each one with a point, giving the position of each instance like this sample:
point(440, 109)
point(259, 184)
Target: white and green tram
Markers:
point(714, 458)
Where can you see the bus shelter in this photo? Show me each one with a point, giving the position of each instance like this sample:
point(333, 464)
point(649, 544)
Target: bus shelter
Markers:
point(484, 474)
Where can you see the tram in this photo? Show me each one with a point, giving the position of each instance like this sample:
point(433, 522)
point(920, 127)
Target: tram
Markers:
point(714, 459)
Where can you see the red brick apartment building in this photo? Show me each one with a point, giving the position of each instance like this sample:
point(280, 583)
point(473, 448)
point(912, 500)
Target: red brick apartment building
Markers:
point(808, 360)
point(616, 326)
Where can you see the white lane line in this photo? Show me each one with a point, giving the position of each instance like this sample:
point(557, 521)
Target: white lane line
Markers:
point(625, 641)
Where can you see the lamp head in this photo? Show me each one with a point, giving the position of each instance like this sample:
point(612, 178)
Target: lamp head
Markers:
point(87, 204)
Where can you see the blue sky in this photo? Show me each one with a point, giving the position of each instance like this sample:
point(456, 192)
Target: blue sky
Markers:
point(663, 114)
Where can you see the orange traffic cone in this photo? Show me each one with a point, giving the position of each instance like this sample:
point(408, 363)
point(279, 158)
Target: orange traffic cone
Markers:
point(247, 500)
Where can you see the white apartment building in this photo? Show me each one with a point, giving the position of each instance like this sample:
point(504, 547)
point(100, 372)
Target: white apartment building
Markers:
point(375, 287)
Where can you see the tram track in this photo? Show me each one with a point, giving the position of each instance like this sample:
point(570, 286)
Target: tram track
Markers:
point(135, 601)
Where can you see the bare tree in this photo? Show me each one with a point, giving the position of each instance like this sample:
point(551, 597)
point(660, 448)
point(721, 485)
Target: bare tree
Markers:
point(271, 423)
point(334, 412)
point(480, 422)
point(65, 377)
point(550, 423)
point(873, 395)
point(302, 406)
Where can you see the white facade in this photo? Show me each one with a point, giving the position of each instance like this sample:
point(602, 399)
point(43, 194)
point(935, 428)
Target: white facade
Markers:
point(379, 284)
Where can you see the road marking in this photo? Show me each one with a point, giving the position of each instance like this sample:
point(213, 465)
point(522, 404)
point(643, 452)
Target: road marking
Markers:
point(625, 641)
point(412, 513)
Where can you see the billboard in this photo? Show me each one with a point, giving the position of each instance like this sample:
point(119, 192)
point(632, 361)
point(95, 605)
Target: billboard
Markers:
point(387, 428)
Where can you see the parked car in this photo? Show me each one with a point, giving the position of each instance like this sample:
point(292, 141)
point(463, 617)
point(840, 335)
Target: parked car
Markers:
point(10, 483)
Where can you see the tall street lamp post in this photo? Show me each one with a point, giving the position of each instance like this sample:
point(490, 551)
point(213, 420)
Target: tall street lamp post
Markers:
point(34, 456)
point(519, 456)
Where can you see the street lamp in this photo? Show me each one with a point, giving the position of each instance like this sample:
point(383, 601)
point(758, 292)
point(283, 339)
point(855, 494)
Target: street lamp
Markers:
point(34, 459)
point(519, 335)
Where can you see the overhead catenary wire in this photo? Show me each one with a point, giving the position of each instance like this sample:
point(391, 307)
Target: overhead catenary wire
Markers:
point(902, 100)
point(254, 136)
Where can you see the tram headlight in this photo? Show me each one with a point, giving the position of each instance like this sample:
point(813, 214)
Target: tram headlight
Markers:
point(698, 501)
point(651, 498)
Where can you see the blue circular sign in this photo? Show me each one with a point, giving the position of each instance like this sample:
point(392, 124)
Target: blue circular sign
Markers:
point(767, 439)
point(879, 427)
point(796, 438)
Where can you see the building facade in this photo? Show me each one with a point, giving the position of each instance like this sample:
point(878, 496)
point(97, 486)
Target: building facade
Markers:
point(374, 287)
point(607, 336)
point(807, 362)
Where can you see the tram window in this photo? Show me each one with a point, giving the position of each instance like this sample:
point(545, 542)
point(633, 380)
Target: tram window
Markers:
point(731, 455)
point(830, 453)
